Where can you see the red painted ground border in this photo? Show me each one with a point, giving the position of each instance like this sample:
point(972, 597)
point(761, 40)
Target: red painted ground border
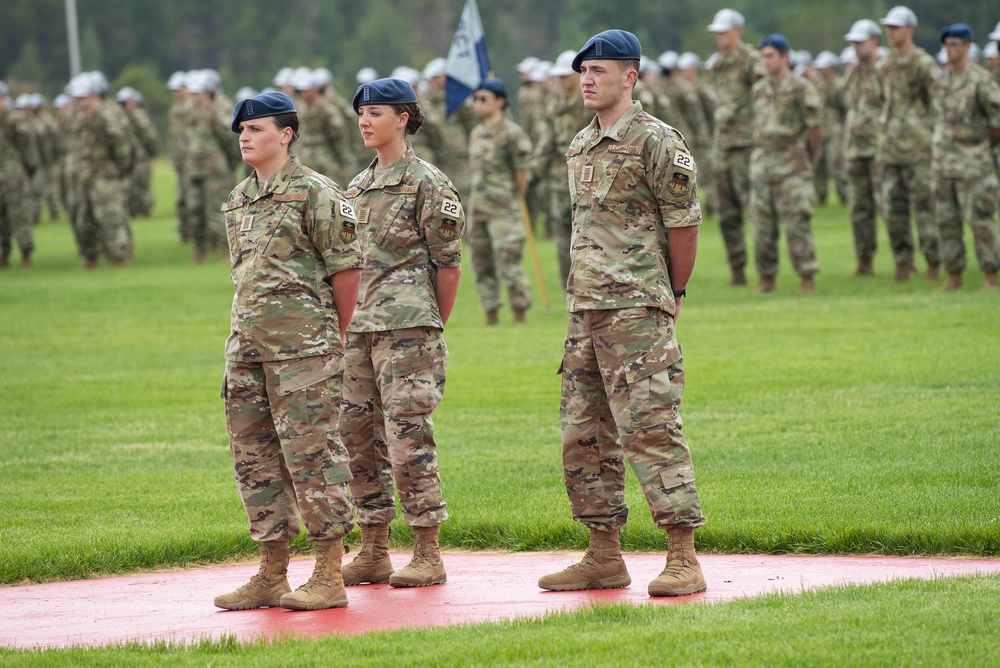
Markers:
point(481, 587)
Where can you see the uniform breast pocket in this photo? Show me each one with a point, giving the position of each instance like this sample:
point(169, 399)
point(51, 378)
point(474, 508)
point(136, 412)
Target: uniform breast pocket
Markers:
point(283, 239)
point(395, 227)
point(617, 185)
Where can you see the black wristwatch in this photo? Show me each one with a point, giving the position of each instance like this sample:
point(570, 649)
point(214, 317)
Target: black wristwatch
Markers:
point(680, 293)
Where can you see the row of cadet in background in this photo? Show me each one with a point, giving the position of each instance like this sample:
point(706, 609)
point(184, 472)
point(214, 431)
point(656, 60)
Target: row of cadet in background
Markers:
point(709, 103)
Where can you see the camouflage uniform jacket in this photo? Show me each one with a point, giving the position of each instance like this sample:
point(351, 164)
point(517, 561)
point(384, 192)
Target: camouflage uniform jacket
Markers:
point(732, 76)
point(410, 222)
point(104, 143)
point(687, 110)
point(179, 127)
point(565, 118)
point(322, 135)
point(286, 236)
point(20, 155)
point(144, 131)
point(211, 148)
point(783, 113)
point(864, 101)
point(496, 153)
point(628, 186)
point(966, 106)
point(908, 82)
point(834, 110)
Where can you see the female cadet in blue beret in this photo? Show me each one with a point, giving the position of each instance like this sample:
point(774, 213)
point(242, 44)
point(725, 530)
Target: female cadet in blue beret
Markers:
point(296, 265)
point(410, 224)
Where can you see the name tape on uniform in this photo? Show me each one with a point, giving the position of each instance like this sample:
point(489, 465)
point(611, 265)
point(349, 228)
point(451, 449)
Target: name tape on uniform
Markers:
point(683, 160)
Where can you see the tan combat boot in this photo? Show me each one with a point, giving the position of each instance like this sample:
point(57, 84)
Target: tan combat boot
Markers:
point(492, 318)
point(807, 286)
point(519, 316)
point(325, 588)
point(990, 281)
point(601, 567)
point(953, 283)
point(266, 587)
point(767, 284)
point(682, 576)
point(426, 567)
point(933, 274)
point(372, 563)
point(739, 278)
point(865, 268)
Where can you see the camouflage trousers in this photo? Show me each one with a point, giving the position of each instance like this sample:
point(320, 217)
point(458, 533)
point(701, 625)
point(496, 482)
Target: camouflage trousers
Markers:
point(17, 207)
point(706, 177)
point(497, 249)
point(862, 206)
point(140, 194)
point(788, 205)
point(204, 197)
point(732, 186)
point(290, 465)
point(908, 188)
point(974, 201)
point(622, 384)
point(393, 381)
point(830, 165)
point(184, 225)
point(561, 225)
point(101, 220)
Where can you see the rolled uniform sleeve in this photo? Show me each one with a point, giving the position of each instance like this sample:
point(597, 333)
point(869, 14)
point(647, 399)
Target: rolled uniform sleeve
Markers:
point(520, 149)
point(442, 225)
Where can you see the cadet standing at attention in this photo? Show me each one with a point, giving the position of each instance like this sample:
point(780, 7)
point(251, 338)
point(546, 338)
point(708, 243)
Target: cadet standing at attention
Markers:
point(296, 265)
point(863, 98)
point(20, 158)
point(735, 70)
point(909, 75)
point(635, 234)
point(500, 166)
point(410, 224)
point(787, 139)
point(966, 126)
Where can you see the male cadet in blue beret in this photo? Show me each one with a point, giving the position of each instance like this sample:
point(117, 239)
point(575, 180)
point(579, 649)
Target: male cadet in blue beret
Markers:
point(787, 138)
point(966, 123)
point(635, 209)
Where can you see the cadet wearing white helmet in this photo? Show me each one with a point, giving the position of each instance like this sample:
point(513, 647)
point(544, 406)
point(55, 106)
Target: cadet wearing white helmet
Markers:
point(146, 143)
point(20, 159)
point(831, 161)
point(736, 68)
point(864, 101)
point(178, 127)
point(909, 75)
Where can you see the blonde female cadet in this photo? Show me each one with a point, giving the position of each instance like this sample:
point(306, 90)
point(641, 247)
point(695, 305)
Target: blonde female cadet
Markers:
point(410, 224)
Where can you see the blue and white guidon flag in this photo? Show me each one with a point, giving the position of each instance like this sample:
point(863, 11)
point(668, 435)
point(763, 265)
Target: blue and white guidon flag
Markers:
point(468, 63)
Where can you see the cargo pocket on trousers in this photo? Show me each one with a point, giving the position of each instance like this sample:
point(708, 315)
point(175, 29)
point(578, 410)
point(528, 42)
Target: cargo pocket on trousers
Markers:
point(655, 387)
point(678, 487)
point(420, 376)
point(307, 372)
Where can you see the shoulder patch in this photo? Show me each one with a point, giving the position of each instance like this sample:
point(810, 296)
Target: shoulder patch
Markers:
point(346, 210)
point(623, 148)
point(679, 184)
point(683, 160)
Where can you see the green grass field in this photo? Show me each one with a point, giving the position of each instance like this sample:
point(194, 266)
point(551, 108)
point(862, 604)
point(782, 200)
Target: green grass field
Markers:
point(862, 419)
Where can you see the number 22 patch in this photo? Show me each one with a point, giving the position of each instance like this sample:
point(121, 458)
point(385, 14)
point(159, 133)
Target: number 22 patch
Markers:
point(684, 160)
point(450, 207)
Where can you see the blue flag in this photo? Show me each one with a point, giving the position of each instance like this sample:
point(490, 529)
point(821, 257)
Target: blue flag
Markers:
point(468, 63)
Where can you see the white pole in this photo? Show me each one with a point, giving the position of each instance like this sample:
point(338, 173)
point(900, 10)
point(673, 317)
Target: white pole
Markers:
point(73, 35)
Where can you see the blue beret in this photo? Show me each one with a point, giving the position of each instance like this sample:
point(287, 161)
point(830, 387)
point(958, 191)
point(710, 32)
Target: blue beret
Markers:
point(609, 45)
point(384, 91)
point(496, 86)
point(260, 106)
point(779, 42)
point(959, 30)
